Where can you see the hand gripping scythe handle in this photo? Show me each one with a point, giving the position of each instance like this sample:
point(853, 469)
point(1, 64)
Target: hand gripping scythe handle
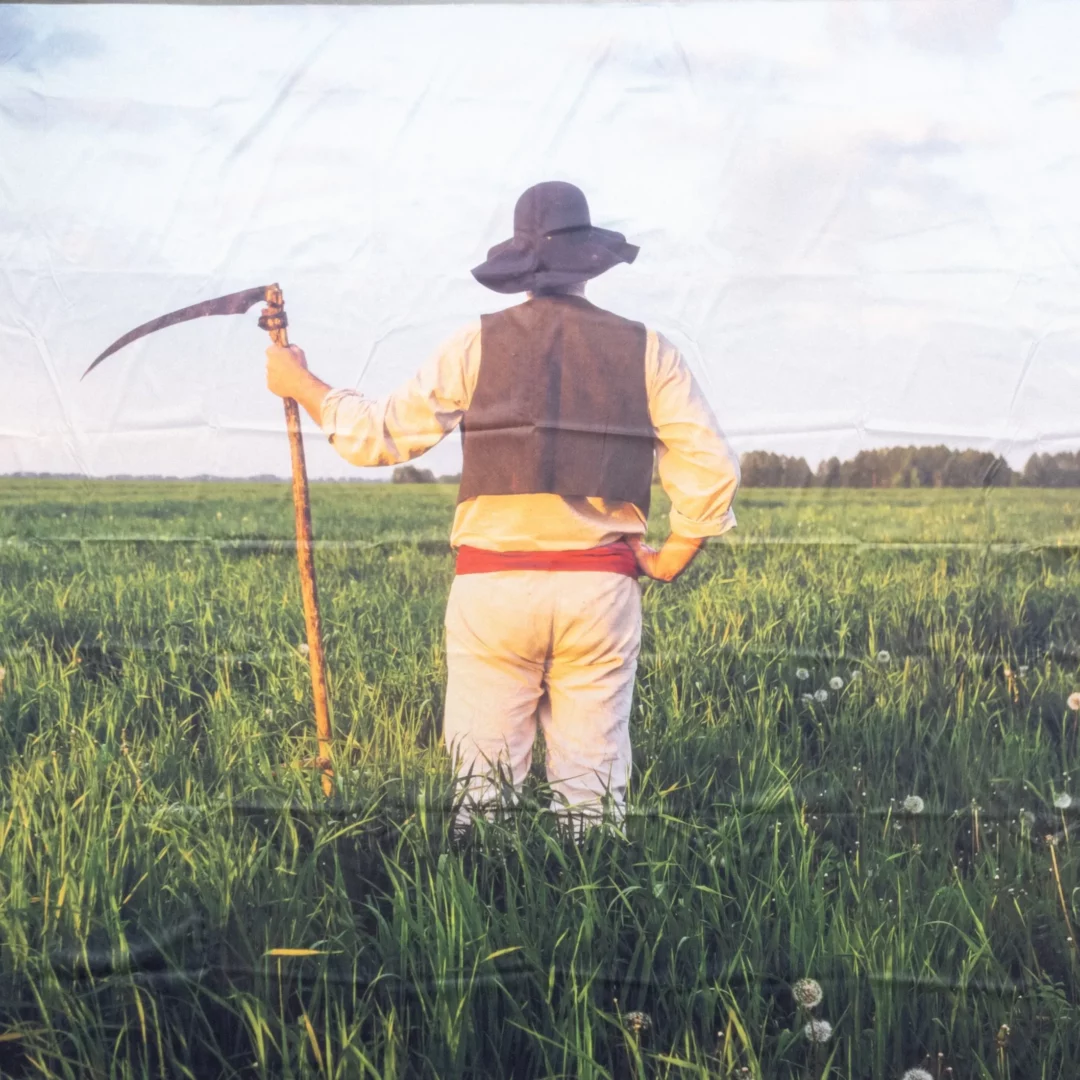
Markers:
point(275, 321)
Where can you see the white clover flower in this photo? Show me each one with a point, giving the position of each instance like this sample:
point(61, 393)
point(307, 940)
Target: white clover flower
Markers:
point(807, 993)
point(821, 695)
point(836, 683)
point(917, 1074)
point(913, 804)
point(883, 657)
point(802, 674)
point(1074, 701)
point(818, 1031)
point(1063, 801)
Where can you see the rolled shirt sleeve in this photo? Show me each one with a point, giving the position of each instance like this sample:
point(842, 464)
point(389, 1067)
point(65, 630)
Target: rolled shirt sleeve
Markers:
point(698, 469)
point(415, 416)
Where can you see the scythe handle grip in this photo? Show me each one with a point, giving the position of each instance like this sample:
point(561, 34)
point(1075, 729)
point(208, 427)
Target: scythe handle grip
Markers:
point(274, 321)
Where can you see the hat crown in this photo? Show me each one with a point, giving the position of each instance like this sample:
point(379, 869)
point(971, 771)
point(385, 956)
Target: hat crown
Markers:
point(555, 243)
point(549, 207)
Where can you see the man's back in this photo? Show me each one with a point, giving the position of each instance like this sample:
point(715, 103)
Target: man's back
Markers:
point(697, 468)
point(560, 405)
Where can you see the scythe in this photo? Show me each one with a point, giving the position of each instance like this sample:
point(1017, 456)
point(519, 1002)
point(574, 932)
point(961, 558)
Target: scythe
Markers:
point(274, 321)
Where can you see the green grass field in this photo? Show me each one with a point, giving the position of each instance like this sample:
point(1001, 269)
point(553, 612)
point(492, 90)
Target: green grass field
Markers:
point(157, 841)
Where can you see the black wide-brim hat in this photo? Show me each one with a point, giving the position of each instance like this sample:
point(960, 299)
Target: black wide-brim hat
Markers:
point(554, 243)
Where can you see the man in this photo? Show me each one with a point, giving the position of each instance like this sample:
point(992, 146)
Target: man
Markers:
point(562, 406)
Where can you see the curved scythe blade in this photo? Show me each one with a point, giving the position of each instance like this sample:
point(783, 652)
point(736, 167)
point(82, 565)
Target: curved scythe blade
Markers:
point(233, 304)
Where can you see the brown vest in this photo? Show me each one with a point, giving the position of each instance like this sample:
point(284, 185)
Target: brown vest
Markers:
point(560, 405)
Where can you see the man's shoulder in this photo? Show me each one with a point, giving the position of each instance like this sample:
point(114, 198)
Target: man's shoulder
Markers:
point(461, 337)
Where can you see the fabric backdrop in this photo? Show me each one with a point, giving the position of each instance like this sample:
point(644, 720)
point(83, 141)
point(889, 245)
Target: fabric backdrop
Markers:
point(850, 850)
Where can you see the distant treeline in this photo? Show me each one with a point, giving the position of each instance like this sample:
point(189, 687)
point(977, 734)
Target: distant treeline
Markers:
point(911, 467)
point(890, 467)
point(410, 474)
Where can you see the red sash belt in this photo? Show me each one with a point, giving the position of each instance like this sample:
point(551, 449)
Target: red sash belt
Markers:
point(618, 558)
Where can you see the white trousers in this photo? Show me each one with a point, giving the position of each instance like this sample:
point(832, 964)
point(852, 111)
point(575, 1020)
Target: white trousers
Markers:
point(554, 647)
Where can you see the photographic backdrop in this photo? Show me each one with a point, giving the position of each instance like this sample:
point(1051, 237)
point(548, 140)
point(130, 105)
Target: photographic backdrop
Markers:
point(850, 851)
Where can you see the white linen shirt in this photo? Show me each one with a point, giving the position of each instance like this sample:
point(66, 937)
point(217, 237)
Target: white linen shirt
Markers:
point(698, 470)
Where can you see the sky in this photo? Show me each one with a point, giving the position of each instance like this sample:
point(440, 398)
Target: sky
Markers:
point(859, 221)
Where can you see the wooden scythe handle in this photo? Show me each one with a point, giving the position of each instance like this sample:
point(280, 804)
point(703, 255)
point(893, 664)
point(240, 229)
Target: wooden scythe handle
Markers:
point(274, 313)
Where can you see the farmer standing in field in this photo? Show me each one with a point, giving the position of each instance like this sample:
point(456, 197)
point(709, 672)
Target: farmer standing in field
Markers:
point(562, 405)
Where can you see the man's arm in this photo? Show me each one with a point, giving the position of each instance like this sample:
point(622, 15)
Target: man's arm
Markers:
point(698, 469)
point(397, 427)
point(671, 560)
point(287, 376)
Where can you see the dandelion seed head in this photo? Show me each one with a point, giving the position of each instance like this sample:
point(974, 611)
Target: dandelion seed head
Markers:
point(304, 648)
point(1063, 801)
point(917, 1074)
point(637, 1021)
point(1074, 701)
point(821, 695)
point(807, 698)
point(913, 804)
point(883, 657)
point(818, 1031)
point(836, 683)
point(807, 993)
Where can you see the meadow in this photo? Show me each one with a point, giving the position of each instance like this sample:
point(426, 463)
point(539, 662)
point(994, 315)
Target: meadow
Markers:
point(854, 757)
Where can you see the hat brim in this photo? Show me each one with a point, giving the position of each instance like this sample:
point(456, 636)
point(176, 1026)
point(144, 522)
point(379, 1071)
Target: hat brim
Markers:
point(564, 258)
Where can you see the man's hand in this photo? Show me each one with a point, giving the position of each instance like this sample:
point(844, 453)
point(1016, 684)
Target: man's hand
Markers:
point(287, 376)
point(670, 561)
point(285, 367)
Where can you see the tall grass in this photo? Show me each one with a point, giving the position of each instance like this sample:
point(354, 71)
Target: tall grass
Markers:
point(177, 898)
